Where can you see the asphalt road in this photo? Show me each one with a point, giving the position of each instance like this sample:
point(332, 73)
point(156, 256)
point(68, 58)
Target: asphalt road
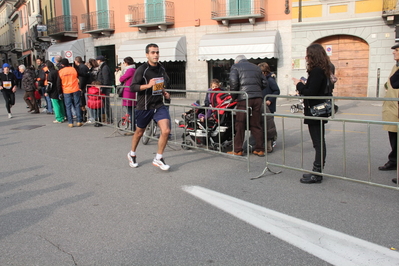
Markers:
point(68, 197)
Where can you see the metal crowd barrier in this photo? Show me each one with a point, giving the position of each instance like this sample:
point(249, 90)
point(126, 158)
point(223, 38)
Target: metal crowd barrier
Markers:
point(104, 114)
point(199, 134)
point(373, 129)
point(206, 135)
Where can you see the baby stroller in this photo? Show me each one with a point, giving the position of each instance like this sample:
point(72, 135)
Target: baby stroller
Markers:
point(215, 131)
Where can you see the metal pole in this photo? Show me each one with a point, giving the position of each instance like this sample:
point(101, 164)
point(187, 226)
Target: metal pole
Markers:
point(300, 11)
point(378, 83)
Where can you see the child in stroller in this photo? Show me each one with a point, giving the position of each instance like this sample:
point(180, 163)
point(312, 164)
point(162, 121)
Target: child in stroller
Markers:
point(210, 127)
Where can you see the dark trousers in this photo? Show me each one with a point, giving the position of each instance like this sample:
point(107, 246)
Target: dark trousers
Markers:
point(393, 140)
point(254, 124)
point(9, 98)
point(317, 135)
point(132, 117)
point(107, 103)
point(29, 98)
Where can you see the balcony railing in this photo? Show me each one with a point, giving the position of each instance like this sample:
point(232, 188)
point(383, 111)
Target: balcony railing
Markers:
point(16, 47)
point(63, 26)
point(390, 7)
point(239, 9)
point(98, 22)
point(152, 15)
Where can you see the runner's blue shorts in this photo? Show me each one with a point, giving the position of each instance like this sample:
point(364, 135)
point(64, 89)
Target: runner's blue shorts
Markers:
point(144, 117)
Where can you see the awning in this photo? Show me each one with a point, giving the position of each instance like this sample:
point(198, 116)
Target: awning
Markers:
point(23, 57)
point(254, 44)
point(67, 50)
point(170, 49)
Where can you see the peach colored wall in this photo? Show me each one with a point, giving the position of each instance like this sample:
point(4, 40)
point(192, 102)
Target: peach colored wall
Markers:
point(120, 8)
point(187, 11)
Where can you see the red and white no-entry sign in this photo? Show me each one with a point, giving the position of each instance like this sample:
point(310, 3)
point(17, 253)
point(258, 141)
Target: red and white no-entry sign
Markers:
point(68, 54)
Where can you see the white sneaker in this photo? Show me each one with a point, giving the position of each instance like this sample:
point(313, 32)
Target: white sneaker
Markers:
point(132, 160)
point(9, 115)
point(161, 164)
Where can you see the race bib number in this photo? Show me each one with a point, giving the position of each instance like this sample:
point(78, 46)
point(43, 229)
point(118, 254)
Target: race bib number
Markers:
point(158, 87)
point(7, 84)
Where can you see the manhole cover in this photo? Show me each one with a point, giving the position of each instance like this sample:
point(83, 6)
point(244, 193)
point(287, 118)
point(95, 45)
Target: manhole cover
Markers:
point(27, 127)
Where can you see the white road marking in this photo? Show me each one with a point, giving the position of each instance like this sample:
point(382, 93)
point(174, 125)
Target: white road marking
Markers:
point(329, 245)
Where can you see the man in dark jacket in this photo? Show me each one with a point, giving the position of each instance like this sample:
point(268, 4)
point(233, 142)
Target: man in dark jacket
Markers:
point(104, 76)
point(247, 77)
point(83, 76)
point(150, 81)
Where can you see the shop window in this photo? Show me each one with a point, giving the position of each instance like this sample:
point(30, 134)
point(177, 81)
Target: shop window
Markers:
point(220, 69)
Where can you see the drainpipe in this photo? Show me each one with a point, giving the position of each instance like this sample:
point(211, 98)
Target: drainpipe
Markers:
point(88, 14)
point(300, 11)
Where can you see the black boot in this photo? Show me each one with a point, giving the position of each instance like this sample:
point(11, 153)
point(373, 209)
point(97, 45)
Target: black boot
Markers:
point(312, 178)
point(84, 116)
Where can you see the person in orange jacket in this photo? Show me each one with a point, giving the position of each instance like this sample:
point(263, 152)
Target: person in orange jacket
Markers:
point(71, 90)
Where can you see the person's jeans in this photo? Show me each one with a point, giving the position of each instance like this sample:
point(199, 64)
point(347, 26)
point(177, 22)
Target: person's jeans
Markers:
point(96, 114)
point(72, 100)
point(48, 101)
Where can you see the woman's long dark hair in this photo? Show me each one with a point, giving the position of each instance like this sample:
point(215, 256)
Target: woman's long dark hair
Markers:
point(93, 62)
point(50, 65)
point(317, 57)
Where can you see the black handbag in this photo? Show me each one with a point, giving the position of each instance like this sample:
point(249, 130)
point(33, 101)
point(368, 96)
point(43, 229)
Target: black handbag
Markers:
point(120, 91)
point(323, 109)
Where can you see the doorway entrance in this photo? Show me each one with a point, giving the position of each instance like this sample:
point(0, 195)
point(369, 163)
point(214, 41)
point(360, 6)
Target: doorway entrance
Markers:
point(350, 56)
point(108, 51)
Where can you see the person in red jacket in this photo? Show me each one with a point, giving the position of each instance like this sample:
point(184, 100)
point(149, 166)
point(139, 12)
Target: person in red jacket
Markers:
point(94, 102)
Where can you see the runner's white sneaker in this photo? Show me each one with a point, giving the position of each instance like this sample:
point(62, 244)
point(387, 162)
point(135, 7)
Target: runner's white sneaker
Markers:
point(9, 115)
point(132, 160)
point(161, 164)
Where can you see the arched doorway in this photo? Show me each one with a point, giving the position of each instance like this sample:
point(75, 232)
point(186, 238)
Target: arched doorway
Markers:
point(350, 56)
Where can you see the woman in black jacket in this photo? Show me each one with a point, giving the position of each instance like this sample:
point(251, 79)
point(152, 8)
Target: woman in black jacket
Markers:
point(318, 68)
point(54, 91)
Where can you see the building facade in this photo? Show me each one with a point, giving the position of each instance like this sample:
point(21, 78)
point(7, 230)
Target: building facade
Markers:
point(199, 39)
point(356, 36)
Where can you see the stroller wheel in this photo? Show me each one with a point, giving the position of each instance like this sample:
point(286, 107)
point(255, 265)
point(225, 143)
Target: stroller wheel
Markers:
point(217, 147)
point(187, 144)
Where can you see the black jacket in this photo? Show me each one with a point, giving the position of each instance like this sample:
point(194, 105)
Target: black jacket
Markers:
point(272, 88)
point(40, 75)
point(316, 85)
point(104, 75)
point(8, 77)
point(83, 75)
point(55, 90)
point(142, 76)
point(28, 80)
point(247, 77)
